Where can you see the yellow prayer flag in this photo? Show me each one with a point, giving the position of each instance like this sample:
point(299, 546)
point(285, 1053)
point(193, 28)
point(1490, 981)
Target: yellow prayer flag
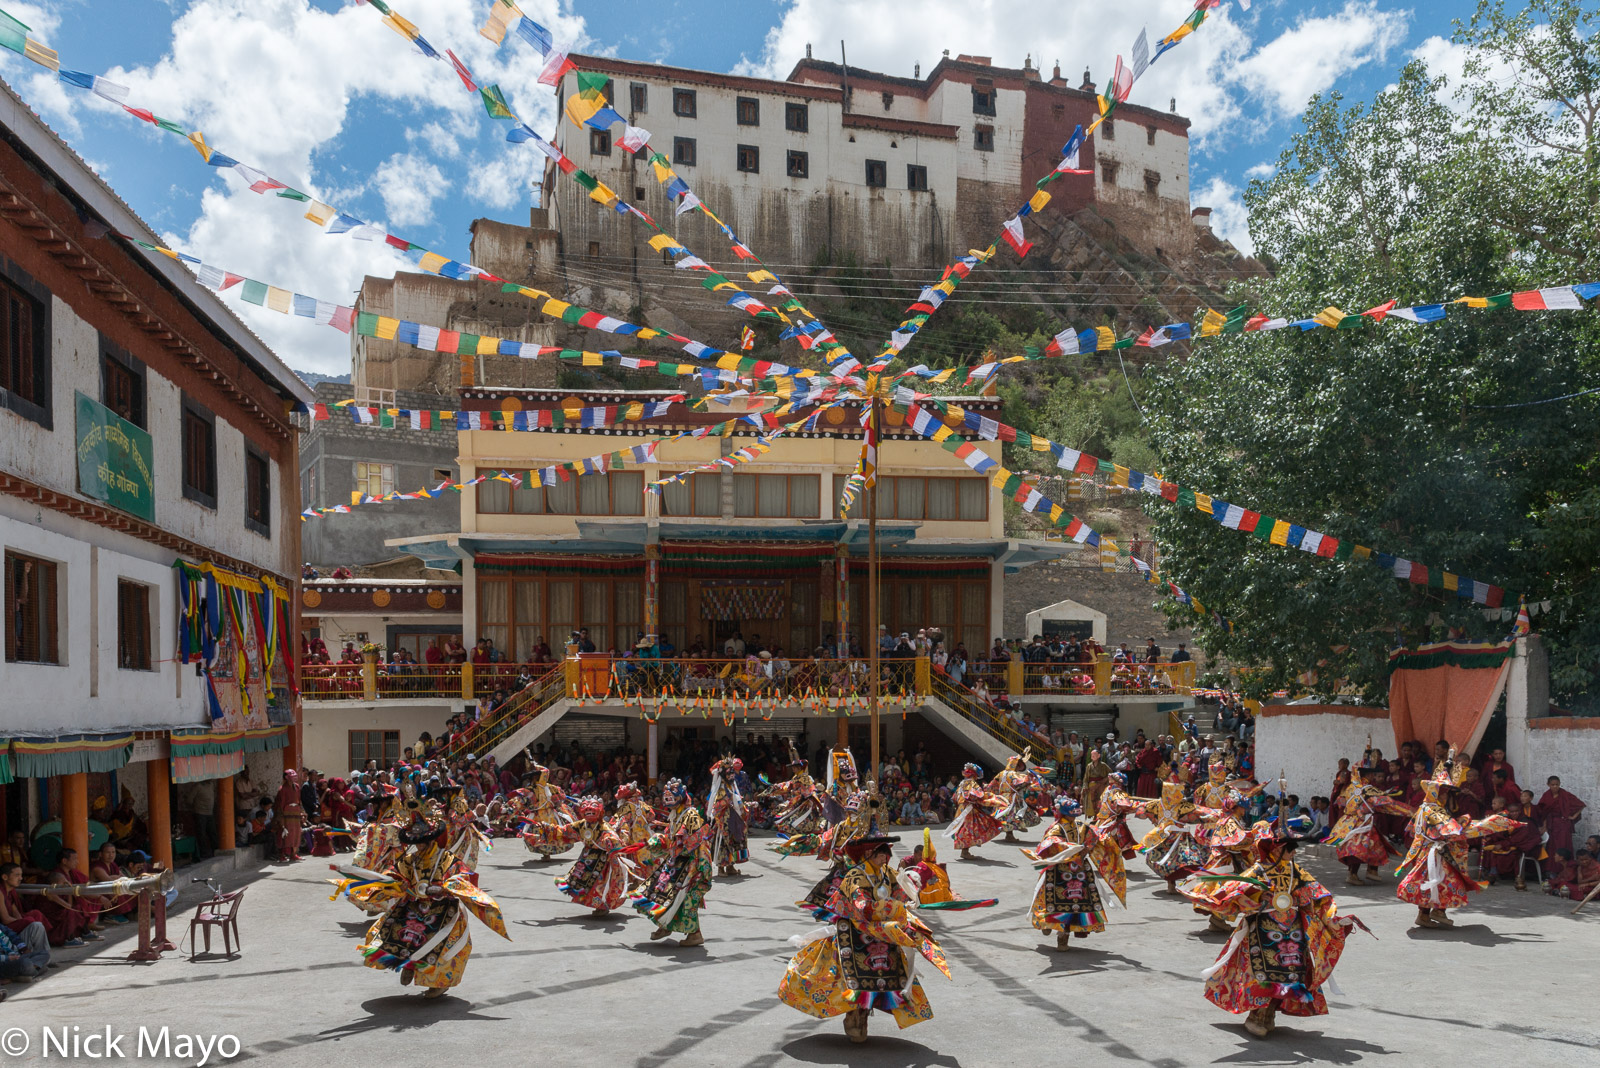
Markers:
point(1203, 502)
point(998, 478)
point(727, 285)
point(1451, 581)
point(400, 26)
point(661, 242)
point(432, 261)
point(1472, 302)
point(729, 361)
point(1211, 323)
point(1363, 552)
point(1056, 512)
point(633, 412)
point(198, 140)
point(946, 287)
point(1329, 317)
point(602, 194)
point(555, 308)
point(593, 359)
point(1040, 444)
point(387, 328)
point(663, 172)
point(45, 57)
point(1039, 200)
point(1280, 532)
point(646, 333)
point(762, 276)
point(319, 212)
point(942, 433)
point(279, 300)
point(488, 346)
point(1119, 475)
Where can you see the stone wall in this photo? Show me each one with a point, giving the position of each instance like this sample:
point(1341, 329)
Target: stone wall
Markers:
point(1305, 743)
point(1128, 602)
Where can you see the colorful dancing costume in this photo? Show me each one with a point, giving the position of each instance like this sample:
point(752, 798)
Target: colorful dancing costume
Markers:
point(975, 820)
point(604, 869)
point(1287, 934)
point(725, 809)
point(1170, 848)
point(799, 817)
point(676, 887)
point(1356, 836)
point(1111, 818)
point(1072, 855)
point(546, 813)
point(865, 957)
point(1437, 879)
point(1015, 782)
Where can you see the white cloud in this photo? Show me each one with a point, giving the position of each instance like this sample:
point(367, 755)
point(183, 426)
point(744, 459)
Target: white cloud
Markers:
point(409, 185)
point(1229, 218)
point(273, 83)
point(880, 37)
point(1285, 72)
point(1261, 170)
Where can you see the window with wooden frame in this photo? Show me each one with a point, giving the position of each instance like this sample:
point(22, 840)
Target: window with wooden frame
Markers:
point(199, 454)
point(983, 138)
point(614, 493)
point(133, 626)
point(24, 346)
point(747, 111)
point(797, 117)
point(956, 603)
point(518, 612)
point(684, 103)
point(374, 479)
point(777, 496)
point(799, 165)
point(983, 98)
point(697, 495)
point(599, 142)
point(32, 610)
point(877, 174)
point(257, 491)
point(683, 151)
point(923, 497)
point(1149, 135)
point(382, 746)
point(1109, 129)
point(1108, 172)
point(122, 383)
point(638, 97)
point(749, 159)
point(916, 177)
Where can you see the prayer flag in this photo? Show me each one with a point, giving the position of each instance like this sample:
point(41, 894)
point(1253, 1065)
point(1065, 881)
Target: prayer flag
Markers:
point(535, 34)
point(555, 68)
point(1141, 54)
point(494, 102)
point(461, 71)
point(1069, 154)
point(13, 33)
point(1561, 298)
point(1012, 232)
point(634, 138)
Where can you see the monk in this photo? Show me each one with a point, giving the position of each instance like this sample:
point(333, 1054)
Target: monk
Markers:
point(12, 914)
point(1503, 785)
point(103, 869)
point(1146, 761)
point(1496, 761)
point(73, 917)
point(1573, 877)
point(1095, 774)
point(291, 816)
point(1560, 811)
point(1472, 800)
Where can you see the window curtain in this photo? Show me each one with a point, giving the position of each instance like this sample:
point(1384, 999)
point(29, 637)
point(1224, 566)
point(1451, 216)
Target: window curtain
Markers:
point(744, 495)
point(974, 498)
point(942, 498)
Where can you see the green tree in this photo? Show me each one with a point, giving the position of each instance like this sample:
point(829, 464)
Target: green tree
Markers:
point(1398, 436)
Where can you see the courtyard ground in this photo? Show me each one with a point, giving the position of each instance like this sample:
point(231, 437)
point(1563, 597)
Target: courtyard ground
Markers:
point(1513, 983)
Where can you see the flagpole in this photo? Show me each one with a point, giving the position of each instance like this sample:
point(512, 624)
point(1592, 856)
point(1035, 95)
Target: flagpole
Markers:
point(872, 575)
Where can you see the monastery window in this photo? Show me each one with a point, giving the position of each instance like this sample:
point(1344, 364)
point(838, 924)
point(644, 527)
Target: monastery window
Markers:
point(888, 101)
point(382, 746)
point(683, 103)
point(698, 495)
point(1149, 135)
point(919, 497)
point(257, 491)
point(638, 97)
point(683, 151)
point(614, 493)
point(797, 117)
point(199, 454)
point(777, 496)
point(375, 479)
point(983, 138)
point(133, 626)
point(32, 611)
point(983, 101)
point(877, 173)
point(799, 164)
point(599, 142)
point(1109, 129)
point(749, 159)
point(916, 177)
point(594, 250)
point(1152, 182)
point(1058, 111)
point(122, 383)
point(748, 111)
point(1108, 172)
point(25, 350)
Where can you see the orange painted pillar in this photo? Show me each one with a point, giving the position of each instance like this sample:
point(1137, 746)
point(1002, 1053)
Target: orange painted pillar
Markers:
point(75, 816)
point(224, 811)
point(843, 726)
point(158, 778)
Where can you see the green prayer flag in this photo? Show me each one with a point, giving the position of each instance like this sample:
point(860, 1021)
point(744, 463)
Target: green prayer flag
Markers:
point(1345, 550)
point(589, 82)
point(1106, 467)
point(367, 324)
point(572, 314)
point(172, 127)
point(13, 33)
point(385, 419)
point(585, 179)
point(1125, 343)
point(1186, 497)
point(294, 194)
point(1264, 525)
point(255, 292)
point(1012, 483)
point(468, 344)
point(1500, 300)
point(494, 102)
point(1436, 578)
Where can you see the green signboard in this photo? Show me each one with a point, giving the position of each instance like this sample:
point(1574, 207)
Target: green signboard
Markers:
point(114, 460)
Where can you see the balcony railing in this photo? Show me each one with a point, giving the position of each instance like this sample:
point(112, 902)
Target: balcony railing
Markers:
point(374, 681)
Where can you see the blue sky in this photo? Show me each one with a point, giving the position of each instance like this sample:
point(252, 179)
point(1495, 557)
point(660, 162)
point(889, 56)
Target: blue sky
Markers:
point(321, 94)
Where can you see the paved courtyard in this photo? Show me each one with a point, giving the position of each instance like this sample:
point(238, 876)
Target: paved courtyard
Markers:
point(1512, 984)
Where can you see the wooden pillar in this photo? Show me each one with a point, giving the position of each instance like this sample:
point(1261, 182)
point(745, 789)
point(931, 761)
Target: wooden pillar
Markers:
point(1015, 675)
point(369, 676)
point(652, 592)
point(843, 735)
point(841, 599)
point(224, 810)
point(652, 748)
point(75, 816)
point(158, 779)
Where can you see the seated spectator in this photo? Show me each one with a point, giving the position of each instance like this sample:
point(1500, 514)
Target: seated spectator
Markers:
point(23, 955)
point(103, 869)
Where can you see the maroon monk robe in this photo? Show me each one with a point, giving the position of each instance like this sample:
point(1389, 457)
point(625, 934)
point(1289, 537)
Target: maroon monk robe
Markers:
point(1560, 811)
